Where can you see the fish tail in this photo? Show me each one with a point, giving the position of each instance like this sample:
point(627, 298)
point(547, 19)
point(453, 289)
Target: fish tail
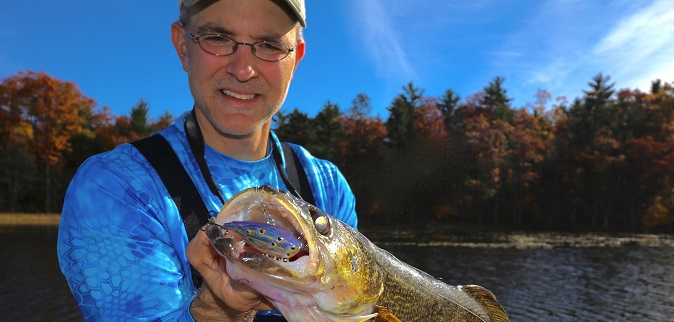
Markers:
point(488, 301)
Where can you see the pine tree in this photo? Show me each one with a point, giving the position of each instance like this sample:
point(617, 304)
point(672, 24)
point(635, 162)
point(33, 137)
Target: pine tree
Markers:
point(496, 99)
point(399, 123)
point(328, 129)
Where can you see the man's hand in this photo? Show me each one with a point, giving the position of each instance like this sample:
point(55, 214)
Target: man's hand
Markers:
point(220, 298)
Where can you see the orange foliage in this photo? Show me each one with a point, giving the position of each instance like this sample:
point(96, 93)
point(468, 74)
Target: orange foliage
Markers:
point(360, 135)
point(52, 108)
point(428, 122)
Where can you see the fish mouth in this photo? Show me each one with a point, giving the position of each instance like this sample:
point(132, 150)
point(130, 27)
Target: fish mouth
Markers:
point(267, 206)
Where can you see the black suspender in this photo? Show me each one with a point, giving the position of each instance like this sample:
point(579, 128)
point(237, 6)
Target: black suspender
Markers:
point(196, 142)
point(294, 175)
point(182, 189)
point(180, 186)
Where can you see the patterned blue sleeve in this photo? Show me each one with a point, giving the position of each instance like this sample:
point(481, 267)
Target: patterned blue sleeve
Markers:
point(121, 244)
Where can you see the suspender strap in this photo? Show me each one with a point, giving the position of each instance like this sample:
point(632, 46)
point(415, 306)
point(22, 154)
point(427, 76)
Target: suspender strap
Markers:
point(178, 183)
point(180, 186)
point(196, 141)
point(296, 175)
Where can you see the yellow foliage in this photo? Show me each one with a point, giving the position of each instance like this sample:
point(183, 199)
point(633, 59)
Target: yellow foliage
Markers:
point(658, 213)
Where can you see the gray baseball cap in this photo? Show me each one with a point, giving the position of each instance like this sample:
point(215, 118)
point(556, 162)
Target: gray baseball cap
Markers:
point(297, 6)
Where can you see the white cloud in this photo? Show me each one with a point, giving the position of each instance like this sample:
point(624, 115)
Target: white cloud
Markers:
point(640, 47)
point(563, 44)
point(556, 45)
point(545, 50)
point(381, 40)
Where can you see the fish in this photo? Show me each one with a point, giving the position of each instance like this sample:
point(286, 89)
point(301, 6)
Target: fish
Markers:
point(338, 274)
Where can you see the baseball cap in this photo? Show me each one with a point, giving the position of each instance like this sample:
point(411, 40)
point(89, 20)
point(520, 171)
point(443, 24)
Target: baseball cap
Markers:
point(297, 6)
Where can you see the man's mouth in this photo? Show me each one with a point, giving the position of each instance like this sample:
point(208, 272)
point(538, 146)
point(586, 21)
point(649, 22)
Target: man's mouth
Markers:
point(238, 96)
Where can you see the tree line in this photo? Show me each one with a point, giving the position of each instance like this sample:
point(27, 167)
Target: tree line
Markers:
point(602, 161)
point(47, 129)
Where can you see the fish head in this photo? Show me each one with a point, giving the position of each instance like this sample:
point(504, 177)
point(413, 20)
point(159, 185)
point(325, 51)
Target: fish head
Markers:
point(333, 277)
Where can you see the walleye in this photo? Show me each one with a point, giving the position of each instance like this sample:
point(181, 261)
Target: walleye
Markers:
point(337, 274)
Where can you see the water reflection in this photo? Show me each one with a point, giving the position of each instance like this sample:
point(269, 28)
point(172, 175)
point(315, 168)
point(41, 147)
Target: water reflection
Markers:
point(33, 288)
point(615, 283)
point(561, 284)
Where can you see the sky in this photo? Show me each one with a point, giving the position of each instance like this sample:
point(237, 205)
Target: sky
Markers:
point(119, 52)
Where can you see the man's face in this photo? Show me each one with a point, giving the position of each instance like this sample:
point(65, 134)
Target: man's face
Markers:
point(239, 93)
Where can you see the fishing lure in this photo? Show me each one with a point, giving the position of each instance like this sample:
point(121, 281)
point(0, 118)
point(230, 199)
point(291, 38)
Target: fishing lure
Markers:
point(270, 240)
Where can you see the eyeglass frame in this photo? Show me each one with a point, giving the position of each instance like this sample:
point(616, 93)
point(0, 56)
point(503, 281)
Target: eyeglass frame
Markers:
point(235, 47)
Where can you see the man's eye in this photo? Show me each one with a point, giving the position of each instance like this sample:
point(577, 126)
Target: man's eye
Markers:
point(216, 40)
point(271, 47)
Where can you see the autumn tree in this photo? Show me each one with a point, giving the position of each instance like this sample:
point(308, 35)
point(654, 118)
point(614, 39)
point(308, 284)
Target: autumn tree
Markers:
point(651, 155)
point(360, 147)
point(52, 109)
point(529, 142)
point(14, 130)
point(49, 105)
point(361, 136)
point(487, 133)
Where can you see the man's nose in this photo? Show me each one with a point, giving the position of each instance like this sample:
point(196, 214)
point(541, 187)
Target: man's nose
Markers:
point(242, 63)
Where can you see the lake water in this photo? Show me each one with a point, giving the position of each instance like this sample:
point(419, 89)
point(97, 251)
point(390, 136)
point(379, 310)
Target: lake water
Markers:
point(31, 285)
point(536, 277)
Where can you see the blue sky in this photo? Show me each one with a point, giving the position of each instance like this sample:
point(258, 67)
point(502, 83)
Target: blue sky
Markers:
point(119, 51)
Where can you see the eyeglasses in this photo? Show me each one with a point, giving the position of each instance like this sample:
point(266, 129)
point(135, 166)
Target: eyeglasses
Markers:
point(220, 45)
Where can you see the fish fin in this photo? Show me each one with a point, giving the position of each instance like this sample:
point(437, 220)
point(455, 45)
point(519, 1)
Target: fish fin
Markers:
point(385, 315)
point(315, 313)
point(357, 318)
point(487, 300)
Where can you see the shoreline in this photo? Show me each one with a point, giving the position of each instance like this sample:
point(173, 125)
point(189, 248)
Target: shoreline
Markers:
point(513, 239)
point(27, 219)
point(440, 237)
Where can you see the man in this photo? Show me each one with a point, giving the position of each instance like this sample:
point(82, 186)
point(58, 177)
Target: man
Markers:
point(122, 244)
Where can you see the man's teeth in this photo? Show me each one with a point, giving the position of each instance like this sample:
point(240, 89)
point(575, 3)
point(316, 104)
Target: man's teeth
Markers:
point(238, 96)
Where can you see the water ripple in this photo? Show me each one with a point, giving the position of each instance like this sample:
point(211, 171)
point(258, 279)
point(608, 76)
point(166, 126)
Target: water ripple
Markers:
point(537, 277)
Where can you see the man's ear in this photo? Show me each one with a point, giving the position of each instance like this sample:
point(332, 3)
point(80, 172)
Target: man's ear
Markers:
point(300, 49)
point(178, 39)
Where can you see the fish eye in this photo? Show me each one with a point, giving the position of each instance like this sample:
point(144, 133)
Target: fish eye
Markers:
point(321, 222)
point(322, 225)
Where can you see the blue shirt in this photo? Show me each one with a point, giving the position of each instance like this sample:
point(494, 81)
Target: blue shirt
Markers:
point(121, 241)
